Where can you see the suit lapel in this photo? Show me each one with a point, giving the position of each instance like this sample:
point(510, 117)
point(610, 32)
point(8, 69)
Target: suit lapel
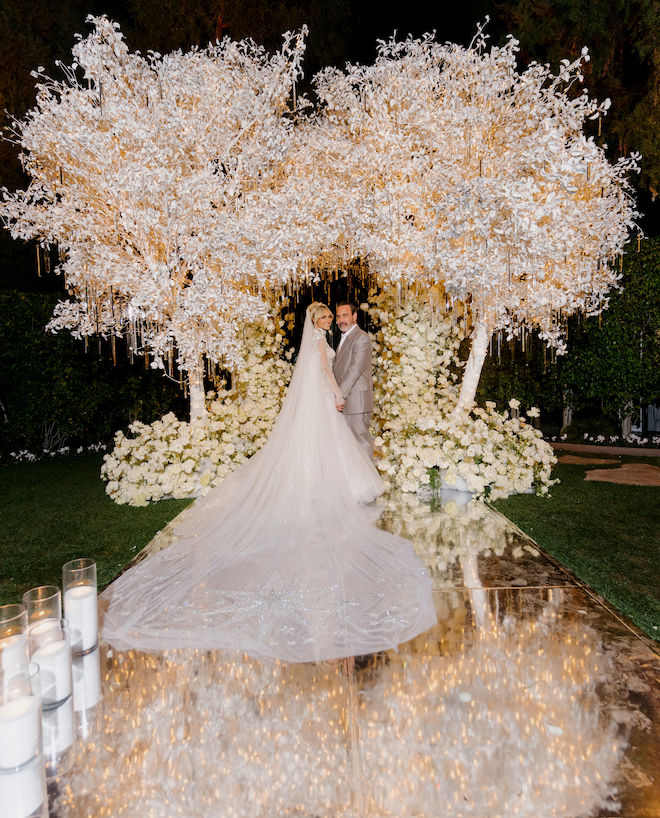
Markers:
point(341, 353)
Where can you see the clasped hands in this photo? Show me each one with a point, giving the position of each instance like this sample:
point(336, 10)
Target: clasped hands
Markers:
point(340, 402)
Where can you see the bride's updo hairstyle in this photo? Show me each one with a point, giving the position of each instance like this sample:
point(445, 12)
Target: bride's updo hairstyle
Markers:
point(317, 310)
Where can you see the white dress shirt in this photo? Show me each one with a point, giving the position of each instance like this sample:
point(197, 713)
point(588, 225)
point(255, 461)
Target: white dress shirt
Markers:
point(345, 335)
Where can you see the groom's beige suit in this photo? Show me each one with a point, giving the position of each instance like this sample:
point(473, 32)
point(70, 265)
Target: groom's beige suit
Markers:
point(352, 369)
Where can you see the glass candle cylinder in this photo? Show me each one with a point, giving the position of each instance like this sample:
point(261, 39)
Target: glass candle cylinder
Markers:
point(43, 606)
point(51, 649)
point(80, 603)
point(86, 681)
point(23, 791)
point(13, 635)
point(58, 735)
point(22, 768)
point(86, 693)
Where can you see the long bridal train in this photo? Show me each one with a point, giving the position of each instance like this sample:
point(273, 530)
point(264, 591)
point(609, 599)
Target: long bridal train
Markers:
point(281, 560)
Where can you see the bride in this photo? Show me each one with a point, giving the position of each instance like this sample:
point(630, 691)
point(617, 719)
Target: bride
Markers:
point(281, 560)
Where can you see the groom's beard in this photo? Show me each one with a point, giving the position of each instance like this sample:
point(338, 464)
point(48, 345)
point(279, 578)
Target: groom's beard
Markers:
point(336, 339)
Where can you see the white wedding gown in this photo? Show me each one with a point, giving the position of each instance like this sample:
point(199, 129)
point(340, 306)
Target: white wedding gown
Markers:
point(281, 560)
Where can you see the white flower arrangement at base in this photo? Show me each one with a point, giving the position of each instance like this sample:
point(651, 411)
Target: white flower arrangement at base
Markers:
point(171, 458)
point(418, 435)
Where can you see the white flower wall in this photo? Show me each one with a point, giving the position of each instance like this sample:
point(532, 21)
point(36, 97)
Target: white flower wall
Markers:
point(420, 439)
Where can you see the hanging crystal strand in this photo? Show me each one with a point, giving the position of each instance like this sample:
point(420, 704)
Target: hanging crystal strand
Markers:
point(133, 336)
point(38, 262)
point(97, 314)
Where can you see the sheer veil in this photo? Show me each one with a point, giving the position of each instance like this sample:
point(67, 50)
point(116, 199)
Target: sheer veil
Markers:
point(281, 560)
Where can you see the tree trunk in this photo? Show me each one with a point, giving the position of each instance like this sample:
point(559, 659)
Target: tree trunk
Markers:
point(196, 390)
point(480, 338)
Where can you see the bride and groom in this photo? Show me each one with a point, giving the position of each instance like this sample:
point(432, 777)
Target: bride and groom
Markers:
point(281, 560)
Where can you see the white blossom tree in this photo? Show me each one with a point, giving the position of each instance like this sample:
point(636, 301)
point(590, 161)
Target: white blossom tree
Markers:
point(181, 190)
point(452, 167)
point(156, 177)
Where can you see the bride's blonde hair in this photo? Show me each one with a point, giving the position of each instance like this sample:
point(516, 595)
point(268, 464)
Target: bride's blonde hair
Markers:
point(316, 310)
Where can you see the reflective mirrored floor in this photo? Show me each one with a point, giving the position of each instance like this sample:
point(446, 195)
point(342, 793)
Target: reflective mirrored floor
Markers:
point(524, 700)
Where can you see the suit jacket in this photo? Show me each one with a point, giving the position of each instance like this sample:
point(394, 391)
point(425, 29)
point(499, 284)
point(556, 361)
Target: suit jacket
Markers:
point(352, 370)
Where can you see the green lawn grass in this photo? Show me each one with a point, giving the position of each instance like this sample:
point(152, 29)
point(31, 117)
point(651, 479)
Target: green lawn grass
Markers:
point(606, 534)
point(56, 510)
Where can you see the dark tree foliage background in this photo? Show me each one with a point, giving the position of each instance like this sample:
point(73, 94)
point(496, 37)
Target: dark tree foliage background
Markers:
point(616, 361)
point(611, 362)
point(623, 37)
point(54, 393)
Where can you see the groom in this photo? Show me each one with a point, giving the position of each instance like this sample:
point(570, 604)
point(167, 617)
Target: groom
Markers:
point(352, 369)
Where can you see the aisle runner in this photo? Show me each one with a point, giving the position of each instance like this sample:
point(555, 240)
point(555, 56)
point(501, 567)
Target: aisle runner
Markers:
point(527, 699)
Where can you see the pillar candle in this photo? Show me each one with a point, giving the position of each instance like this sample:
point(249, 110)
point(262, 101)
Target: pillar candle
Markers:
point(13, 650)
point(86, 681)
point(20, 731)
point(81, 611)
point(57, 726)
point(54, 660)
point(23, 791)
point(43, 632)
